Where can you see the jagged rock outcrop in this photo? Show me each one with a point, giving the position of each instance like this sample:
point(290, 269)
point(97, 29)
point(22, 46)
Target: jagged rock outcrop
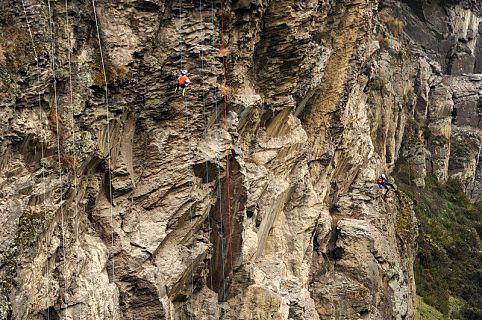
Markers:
point(448, 89)
point(254, 196)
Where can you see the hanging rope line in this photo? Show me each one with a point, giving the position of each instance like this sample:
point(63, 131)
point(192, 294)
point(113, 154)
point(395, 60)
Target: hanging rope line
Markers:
point(228, 178)
point(206, 126)
point(206, 121)
point(56, 119)
point(189, 152)
point(71, 106)
point(71, 100)
point(42, 152)
point(190, 202)
point(108, 141)
point(218, 181)
point(180, 29)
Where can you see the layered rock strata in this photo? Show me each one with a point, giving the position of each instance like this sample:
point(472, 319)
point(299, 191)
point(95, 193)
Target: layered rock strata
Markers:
point(251, 198)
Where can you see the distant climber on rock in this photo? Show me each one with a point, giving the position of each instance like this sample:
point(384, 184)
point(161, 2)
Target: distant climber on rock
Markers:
point(382, 182)
point(182, 82)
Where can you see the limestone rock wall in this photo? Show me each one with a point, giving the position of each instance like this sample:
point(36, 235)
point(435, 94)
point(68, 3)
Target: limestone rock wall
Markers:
point(446, 38)
point(251, 198)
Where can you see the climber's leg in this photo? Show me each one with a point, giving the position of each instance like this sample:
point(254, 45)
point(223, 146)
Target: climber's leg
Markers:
point(384, 185)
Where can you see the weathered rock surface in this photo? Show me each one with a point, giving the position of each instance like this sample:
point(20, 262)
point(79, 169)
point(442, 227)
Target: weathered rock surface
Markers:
point(443, 45)
point(254, 196)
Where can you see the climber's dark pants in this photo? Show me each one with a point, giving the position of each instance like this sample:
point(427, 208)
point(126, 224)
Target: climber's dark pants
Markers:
point(182, 86)
point(386, 185)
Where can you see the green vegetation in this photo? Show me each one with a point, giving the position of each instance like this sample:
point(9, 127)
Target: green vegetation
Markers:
point(448, 270)
point(405, 225)
point(113, 73)
point(426, 312)
point(379, 82)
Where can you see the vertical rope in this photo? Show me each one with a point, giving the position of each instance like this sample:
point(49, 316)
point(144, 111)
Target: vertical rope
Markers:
point(71, 101)
point(59, 157)
point(180, 29)
point(219, 190)
point(42, 152)
point(206, 122)
point(190, 183)
point(69, 53)
point(108, 142)
point(228, 178)
point(190, 186)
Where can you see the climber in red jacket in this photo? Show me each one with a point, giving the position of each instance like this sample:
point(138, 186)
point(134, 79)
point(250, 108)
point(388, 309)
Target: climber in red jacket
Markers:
point(382, 182)
point(182, 82)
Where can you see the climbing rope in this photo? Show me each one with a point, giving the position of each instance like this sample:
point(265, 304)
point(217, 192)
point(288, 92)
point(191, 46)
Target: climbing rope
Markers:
point(42, 152)
point(180, 29)
point(206, 125)
point(74, 165)
point(189, 152)
point(228, 178)
point(56, 118)
point(108, 142)
point(190, 202)
point(71, 100)
point(218, 181)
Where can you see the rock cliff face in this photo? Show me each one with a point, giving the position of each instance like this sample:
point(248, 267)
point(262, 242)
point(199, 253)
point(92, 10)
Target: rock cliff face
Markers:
point(251, 198)
point(448, 90)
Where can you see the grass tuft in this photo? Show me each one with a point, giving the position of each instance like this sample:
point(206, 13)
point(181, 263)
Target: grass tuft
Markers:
point(393, 24)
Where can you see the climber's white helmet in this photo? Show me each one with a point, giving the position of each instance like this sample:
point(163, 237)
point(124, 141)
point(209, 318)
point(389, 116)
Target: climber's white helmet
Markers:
point(383, 176)
point(183, 71)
